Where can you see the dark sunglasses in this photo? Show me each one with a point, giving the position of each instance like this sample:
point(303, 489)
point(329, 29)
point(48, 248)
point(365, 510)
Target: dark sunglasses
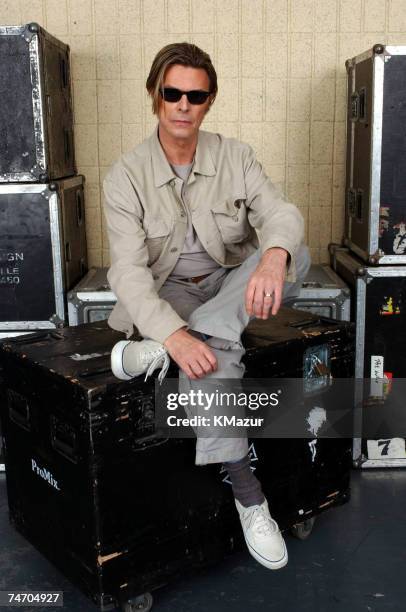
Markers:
point(196, 96)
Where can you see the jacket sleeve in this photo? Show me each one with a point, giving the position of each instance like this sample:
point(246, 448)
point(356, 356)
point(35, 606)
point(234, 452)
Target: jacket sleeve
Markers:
point(129, 275)
point(277, 222)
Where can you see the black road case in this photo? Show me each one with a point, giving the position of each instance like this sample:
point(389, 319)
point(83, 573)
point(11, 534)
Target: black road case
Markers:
point(375, 225)
point(379, 312)
point(36, 119)
point(43, 251)
point(122, 511)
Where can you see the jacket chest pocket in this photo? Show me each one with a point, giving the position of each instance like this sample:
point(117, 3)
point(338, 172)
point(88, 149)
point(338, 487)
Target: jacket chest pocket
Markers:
point(157, 233)
point(231, 219)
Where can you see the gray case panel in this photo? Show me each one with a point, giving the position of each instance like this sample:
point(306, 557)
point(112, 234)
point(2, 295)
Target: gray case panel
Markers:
point(324, 293)
point(92, 299)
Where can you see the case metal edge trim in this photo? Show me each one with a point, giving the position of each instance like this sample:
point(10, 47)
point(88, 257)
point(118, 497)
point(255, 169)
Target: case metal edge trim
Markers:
point(351, 135)
point(375, 463)
point(360, 290)
point(357, 250)
point(57, 245)
point(71, 181)
point(6, 188)
point(363, 56)
point(376, 151)
point(89, 296)
point(360, 327)
point(73, 318)
point(395, 259)
point(32, 325)
point(37, 102)
point(395, 49)
point(334, 277)
point(386, 272)
point(12, 30)
point(13, 334)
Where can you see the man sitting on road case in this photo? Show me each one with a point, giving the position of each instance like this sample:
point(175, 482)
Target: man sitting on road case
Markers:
point(200, 242)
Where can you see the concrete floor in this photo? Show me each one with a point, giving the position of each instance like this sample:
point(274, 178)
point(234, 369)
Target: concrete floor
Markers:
point(354, 560)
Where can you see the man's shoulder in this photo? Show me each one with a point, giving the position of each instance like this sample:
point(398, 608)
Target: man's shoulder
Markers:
point(216, 140)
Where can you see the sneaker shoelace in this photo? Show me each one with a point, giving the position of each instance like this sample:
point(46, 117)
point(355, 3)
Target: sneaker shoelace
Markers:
point(262, 524)
point(158, 357)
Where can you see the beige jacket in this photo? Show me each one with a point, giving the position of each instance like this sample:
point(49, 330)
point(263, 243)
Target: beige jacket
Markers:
point(234, 206)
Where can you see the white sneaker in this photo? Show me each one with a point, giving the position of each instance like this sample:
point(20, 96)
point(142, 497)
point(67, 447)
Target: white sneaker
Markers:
point(145, 356)
point(262, 535)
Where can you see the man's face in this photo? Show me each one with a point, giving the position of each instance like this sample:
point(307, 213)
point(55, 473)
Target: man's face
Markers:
point(181, 120)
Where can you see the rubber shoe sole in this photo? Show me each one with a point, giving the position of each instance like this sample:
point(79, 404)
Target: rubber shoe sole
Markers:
point(117, 361)
point(273, 565)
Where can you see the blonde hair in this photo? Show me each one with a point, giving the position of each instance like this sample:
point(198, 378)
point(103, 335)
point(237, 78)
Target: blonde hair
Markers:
point(185, 54)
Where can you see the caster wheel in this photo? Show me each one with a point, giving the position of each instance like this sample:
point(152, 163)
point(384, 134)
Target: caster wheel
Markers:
point(141, 603)
point(303, 530)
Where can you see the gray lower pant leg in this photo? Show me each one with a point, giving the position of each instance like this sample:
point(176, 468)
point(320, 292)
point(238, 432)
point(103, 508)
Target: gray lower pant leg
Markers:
point(211, 447)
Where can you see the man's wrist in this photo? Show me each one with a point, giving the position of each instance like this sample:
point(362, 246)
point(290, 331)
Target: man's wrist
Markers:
point(175, 334)
point(276, 251)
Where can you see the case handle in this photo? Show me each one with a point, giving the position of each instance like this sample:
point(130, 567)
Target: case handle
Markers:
point(64, 439)
point(19, 409)
point(66, 141)
point(79, 207)
point(68, 252)
point(64, 71)
point(351, 201)
point(362, 104)
point(354, 109)
point(360, 204)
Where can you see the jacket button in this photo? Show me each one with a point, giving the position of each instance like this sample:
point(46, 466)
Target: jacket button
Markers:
point(155, 276)
point(173, 250)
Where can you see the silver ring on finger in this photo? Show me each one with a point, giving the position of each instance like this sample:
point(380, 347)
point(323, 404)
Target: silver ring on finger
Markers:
point(268, 295)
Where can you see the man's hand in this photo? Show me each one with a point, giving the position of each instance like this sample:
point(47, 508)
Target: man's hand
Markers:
point(193, 356)
point(265, 285)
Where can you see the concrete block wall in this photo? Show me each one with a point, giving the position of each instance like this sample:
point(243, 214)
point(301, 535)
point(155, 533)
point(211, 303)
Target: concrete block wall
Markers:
point(282, 85)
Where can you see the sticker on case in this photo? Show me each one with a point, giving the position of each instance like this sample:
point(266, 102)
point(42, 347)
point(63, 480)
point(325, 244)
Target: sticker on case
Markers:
point(376, 376)
point(389, 307)
point(392, 448)
point(387, 383)
point(399, 241)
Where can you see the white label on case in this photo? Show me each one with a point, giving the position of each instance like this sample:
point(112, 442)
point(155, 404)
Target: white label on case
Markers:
point(376, 376)
point(392, 448)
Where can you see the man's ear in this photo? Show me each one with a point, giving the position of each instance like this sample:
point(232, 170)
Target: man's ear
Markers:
point(211, 101)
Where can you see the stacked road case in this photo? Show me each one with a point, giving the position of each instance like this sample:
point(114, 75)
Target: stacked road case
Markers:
point(43, 249)
point(376, 155)
point(375, 231)
point(379, 310)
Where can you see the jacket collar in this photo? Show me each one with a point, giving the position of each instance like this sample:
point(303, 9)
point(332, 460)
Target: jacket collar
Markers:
point(162, 170)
